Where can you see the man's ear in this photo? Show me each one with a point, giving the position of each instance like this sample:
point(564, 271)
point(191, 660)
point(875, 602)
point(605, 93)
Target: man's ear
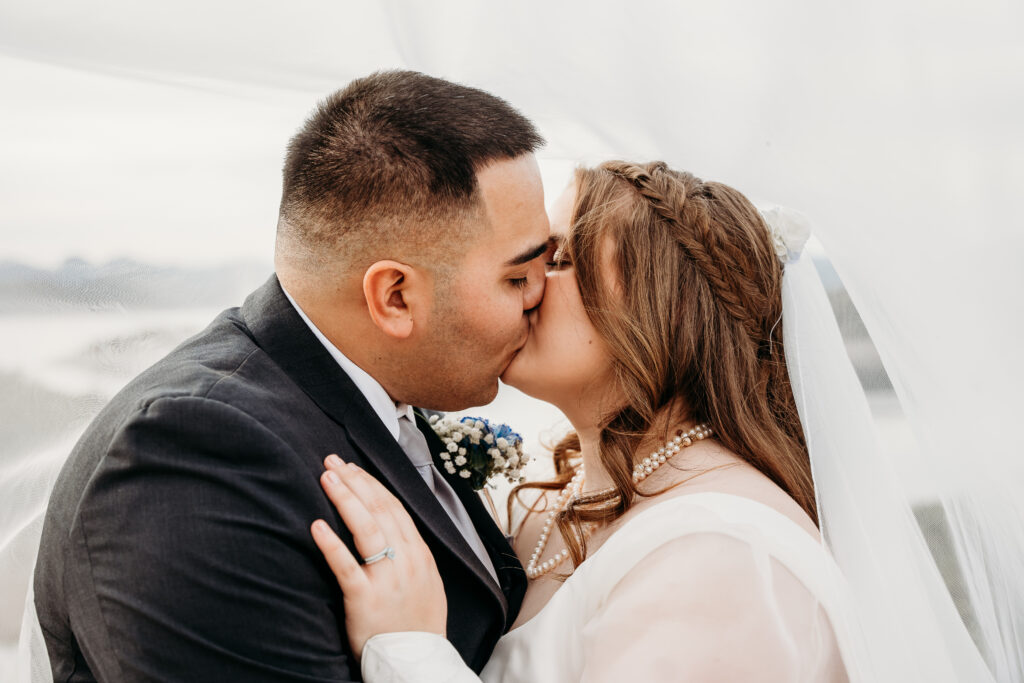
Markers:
point(394, 296)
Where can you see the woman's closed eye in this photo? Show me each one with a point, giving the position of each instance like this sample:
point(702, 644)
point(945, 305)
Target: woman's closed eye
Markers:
point(556, 256)
point(559, 259)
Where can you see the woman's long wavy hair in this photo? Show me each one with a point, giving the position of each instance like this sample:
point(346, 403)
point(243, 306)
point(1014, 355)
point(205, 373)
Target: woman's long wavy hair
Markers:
point(693, 319)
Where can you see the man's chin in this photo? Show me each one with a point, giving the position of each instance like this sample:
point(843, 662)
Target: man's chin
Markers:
point(480, 397)
point(477, 400)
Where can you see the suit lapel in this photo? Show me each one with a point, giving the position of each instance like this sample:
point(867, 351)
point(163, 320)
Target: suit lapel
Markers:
point(285, 337)
point(503, 557)
point(397, 472)
point(282, 334)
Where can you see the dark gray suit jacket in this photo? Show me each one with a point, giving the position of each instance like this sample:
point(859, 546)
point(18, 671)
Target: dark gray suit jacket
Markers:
point(176, 545)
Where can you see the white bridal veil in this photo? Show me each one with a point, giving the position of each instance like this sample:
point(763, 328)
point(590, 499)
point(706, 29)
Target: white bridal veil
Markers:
point(902, 623)
point(146, 141)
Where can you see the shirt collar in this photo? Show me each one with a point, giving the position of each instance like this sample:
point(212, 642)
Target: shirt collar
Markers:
point(386, 408)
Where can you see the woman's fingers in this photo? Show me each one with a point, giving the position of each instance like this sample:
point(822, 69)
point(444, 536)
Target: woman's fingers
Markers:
point(380, 502)
point(405, 593)
point(404, 523)
point(369, 536)
point(347, 570)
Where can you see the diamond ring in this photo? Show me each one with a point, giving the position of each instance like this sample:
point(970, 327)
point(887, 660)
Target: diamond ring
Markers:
point(387, 553)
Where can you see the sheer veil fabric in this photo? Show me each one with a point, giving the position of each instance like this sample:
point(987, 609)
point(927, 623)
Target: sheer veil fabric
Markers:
point(894, 125)
point(904, 620)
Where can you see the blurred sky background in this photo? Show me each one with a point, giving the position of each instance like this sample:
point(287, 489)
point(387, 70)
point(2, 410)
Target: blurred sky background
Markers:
point(141, 147)
point(141, 144)
point(155, 130)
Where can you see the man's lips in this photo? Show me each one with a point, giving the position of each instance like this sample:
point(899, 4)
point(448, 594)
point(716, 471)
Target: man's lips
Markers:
point(526, 338)
point(518, 348)
point(527, 331)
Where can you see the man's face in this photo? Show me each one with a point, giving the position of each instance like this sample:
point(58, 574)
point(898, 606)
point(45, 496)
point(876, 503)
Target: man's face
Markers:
point(480, 321)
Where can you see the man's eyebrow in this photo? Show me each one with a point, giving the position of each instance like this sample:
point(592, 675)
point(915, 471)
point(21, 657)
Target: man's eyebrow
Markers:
point(531, 253)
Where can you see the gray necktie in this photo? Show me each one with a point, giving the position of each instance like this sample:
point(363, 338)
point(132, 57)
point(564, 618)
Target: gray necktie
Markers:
point(412, 441)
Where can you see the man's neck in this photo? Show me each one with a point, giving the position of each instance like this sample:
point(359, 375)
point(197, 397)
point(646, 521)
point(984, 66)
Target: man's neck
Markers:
point(351, 362)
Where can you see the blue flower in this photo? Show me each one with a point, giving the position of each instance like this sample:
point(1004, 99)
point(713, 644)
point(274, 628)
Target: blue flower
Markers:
point(484, 449)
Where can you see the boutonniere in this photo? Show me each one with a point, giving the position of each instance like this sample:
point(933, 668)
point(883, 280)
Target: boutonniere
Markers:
point(477, 450)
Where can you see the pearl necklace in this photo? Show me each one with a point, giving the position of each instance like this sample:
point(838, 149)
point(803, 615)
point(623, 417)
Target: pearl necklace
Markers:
point(571, 492)
point(568, 494)
point(645, 467)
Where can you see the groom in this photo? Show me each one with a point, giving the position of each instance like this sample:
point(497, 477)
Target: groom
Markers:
point(409, 250)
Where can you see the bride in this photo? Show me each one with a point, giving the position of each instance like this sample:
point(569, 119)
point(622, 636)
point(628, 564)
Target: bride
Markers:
point(680, 538)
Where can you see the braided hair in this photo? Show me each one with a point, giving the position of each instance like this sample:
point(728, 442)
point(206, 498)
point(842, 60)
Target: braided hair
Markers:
point(692, 317)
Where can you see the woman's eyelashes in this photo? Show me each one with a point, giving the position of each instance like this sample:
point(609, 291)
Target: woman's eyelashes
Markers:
point(558, 260)
point(519, 282)
point(556, 256)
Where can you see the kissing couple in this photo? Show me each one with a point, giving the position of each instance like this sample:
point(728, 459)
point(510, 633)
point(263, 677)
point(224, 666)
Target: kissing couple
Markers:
point(266, 503)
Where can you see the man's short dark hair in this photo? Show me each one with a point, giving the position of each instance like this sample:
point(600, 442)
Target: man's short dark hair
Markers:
point(389, 154)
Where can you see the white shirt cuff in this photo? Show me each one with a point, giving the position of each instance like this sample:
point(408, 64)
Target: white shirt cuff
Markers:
point(413, 657)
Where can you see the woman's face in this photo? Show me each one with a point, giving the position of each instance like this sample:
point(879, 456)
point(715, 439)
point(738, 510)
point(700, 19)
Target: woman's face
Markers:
point(564, 361)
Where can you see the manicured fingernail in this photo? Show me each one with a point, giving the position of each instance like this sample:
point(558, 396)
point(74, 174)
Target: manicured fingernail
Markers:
point(321, 526)
point(334, 461)
point(331, 478)
point(354, 467)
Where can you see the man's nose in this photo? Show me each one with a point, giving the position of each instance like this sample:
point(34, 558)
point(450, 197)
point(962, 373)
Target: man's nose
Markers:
point(534, 288)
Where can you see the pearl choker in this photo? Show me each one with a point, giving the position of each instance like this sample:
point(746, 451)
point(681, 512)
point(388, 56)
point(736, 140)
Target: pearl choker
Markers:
point(571, 492)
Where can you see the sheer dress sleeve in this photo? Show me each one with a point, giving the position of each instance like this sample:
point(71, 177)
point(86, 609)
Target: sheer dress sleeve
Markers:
point(712, 589)
point(709, 607)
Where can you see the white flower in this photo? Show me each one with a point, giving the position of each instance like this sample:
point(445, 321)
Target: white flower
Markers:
point(504, 457)
point(790, 231)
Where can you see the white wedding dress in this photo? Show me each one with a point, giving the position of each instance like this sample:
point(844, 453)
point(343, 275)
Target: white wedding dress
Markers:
point(699, 587)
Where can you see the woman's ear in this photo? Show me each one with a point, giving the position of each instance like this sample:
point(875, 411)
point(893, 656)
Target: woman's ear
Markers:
point(393, 296)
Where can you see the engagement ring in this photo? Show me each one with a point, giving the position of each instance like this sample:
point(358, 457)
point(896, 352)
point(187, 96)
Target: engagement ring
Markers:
point(388, 553)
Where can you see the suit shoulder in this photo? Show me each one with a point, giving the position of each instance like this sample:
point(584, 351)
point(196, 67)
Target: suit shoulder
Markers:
point(197, 365)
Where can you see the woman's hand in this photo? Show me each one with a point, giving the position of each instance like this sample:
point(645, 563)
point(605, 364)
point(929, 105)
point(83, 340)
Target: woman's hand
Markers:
point(400, 593)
